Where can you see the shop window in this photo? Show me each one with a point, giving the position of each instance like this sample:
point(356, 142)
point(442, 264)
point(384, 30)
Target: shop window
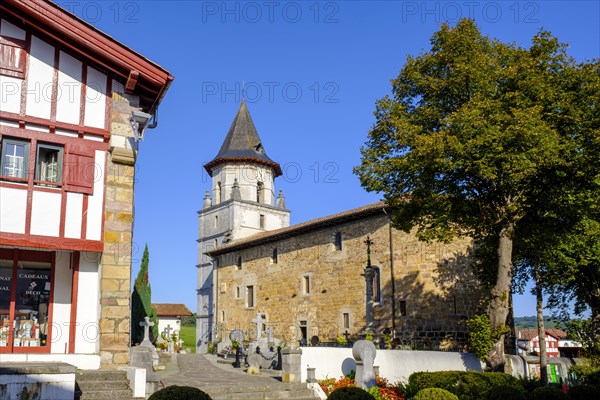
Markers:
point(48, 166)
point(25, 323)
point(15, 158)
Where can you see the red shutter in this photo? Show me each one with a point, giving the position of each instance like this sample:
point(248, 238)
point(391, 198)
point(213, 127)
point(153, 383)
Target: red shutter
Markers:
point(80, 169)
point(12, 57)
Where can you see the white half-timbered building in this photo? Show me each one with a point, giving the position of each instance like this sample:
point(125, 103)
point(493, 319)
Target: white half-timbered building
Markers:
point(72, 101)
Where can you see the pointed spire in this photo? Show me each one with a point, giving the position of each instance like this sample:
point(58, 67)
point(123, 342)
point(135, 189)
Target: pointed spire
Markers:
point(242, 143)
point(207, 202)
point(235, 191)
point(280, 203)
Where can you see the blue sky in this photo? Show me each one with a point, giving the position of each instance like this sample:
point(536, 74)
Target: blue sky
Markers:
point(312, 73)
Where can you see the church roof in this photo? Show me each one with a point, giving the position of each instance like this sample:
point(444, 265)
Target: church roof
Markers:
point(304, 227)
point(242, 144)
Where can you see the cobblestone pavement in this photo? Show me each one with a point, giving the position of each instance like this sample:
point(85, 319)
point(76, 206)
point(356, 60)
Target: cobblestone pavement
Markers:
point(201, 371)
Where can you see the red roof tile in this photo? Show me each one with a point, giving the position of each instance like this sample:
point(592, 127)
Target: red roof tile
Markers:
point(171, 310)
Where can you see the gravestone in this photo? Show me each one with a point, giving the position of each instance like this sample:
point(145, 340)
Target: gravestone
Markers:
point(364, 353)
point(146, 342)
point(270, 335)
point(254, 361)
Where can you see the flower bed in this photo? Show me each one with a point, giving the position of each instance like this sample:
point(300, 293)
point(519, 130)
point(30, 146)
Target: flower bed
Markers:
point(382, 391)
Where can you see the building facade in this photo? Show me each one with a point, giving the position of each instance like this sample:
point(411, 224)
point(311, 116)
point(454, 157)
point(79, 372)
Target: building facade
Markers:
point(68, 145)
point(240, 203)
point(310, 282)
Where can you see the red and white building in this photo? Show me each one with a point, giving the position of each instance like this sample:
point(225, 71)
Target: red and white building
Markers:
point(68, 96)
point(528, 342)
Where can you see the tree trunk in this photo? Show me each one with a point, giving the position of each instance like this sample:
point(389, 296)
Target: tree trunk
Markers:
point(539, 305)
point(595, 308)
point(499, 302)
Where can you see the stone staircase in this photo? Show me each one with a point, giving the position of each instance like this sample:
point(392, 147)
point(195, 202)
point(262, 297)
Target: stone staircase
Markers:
point(277, 391)
point(102, 385)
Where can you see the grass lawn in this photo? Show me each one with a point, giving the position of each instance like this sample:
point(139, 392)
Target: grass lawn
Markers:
point(188, 334)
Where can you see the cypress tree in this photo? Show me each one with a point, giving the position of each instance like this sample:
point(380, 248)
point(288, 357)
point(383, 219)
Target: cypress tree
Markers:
point(141, 304)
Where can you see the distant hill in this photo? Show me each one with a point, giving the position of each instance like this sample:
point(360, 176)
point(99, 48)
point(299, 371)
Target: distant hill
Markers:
point(531, 322)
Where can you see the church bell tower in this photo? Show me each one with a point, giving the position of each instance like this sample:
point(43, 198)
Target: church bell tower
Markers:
point(240, 203)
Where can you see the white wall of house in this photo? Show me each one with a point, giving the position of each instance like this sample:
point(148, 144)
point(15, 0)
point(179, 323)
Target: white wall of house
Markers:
point(173, 322)
point(87, 331)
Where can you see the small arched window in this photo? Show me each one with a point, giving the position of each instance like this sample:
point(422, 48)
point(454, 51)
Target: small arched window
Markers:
point(275, 256)
point(260, 187)
point(238, 264)
point(377, 286)
point(218, 193)
point(338, 241)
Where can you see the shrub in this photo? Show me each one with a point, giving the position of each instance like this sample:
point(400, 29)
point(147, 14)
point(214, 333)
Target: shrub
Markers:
point(587, 374)
point(548, 393)
point(583, 392)
point(530, 383)
point(350, 393)
point(434, 394)
point(467, 385)
point(507, 392)
point(180, 393)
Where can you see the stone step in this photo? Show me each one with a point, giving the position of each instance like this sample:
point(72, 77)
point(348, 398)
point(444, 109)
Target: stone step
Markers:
point(106, 394)
point(263, 392)
point(100, 375)
point(103, 385)
point(265, 396)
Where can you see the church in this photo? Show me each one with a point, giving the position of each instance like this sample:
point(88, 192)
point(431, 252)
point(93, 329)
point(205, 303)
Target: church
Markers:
point(340, 277)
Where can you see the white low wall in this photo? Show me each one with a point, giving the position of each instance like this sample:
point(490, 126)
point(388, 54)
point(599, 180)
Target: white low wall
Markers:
point(81, 361)
point(394, 365)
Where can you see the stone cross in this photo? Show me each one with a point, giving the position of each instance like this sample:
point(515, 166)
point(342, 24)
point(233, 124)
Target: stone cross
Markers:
point(146, 324)
point(269, 335)
point(259, 322)
point(168, 330)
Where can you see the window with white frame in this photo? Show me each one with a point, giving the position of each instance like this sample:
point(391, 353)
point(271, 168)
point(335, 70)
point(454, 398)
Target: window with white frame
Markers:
point(15, 158)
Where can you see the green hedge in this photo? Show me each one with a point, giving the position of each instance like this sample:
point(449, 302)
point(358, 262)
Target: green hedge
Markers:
point(584, 392)
point(548, 393)
point(180, 393)
point(467, 385)
point(507, 392)
point(350, 393)
point(434, 394)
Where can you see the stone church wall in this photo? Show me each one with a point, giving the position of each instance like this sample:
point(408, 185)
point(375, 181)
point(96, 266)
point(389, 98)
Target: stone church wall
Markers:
point(434, 287)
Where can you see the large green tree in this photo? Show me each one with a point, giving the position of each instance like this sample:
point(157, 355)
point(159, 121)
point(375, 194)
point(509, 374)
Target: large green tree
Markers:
point(141, 303)
point(468, 144)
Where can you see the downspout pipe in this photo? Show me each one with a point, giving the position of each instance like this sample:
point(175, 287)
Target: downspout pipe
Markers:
point(393, 280)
